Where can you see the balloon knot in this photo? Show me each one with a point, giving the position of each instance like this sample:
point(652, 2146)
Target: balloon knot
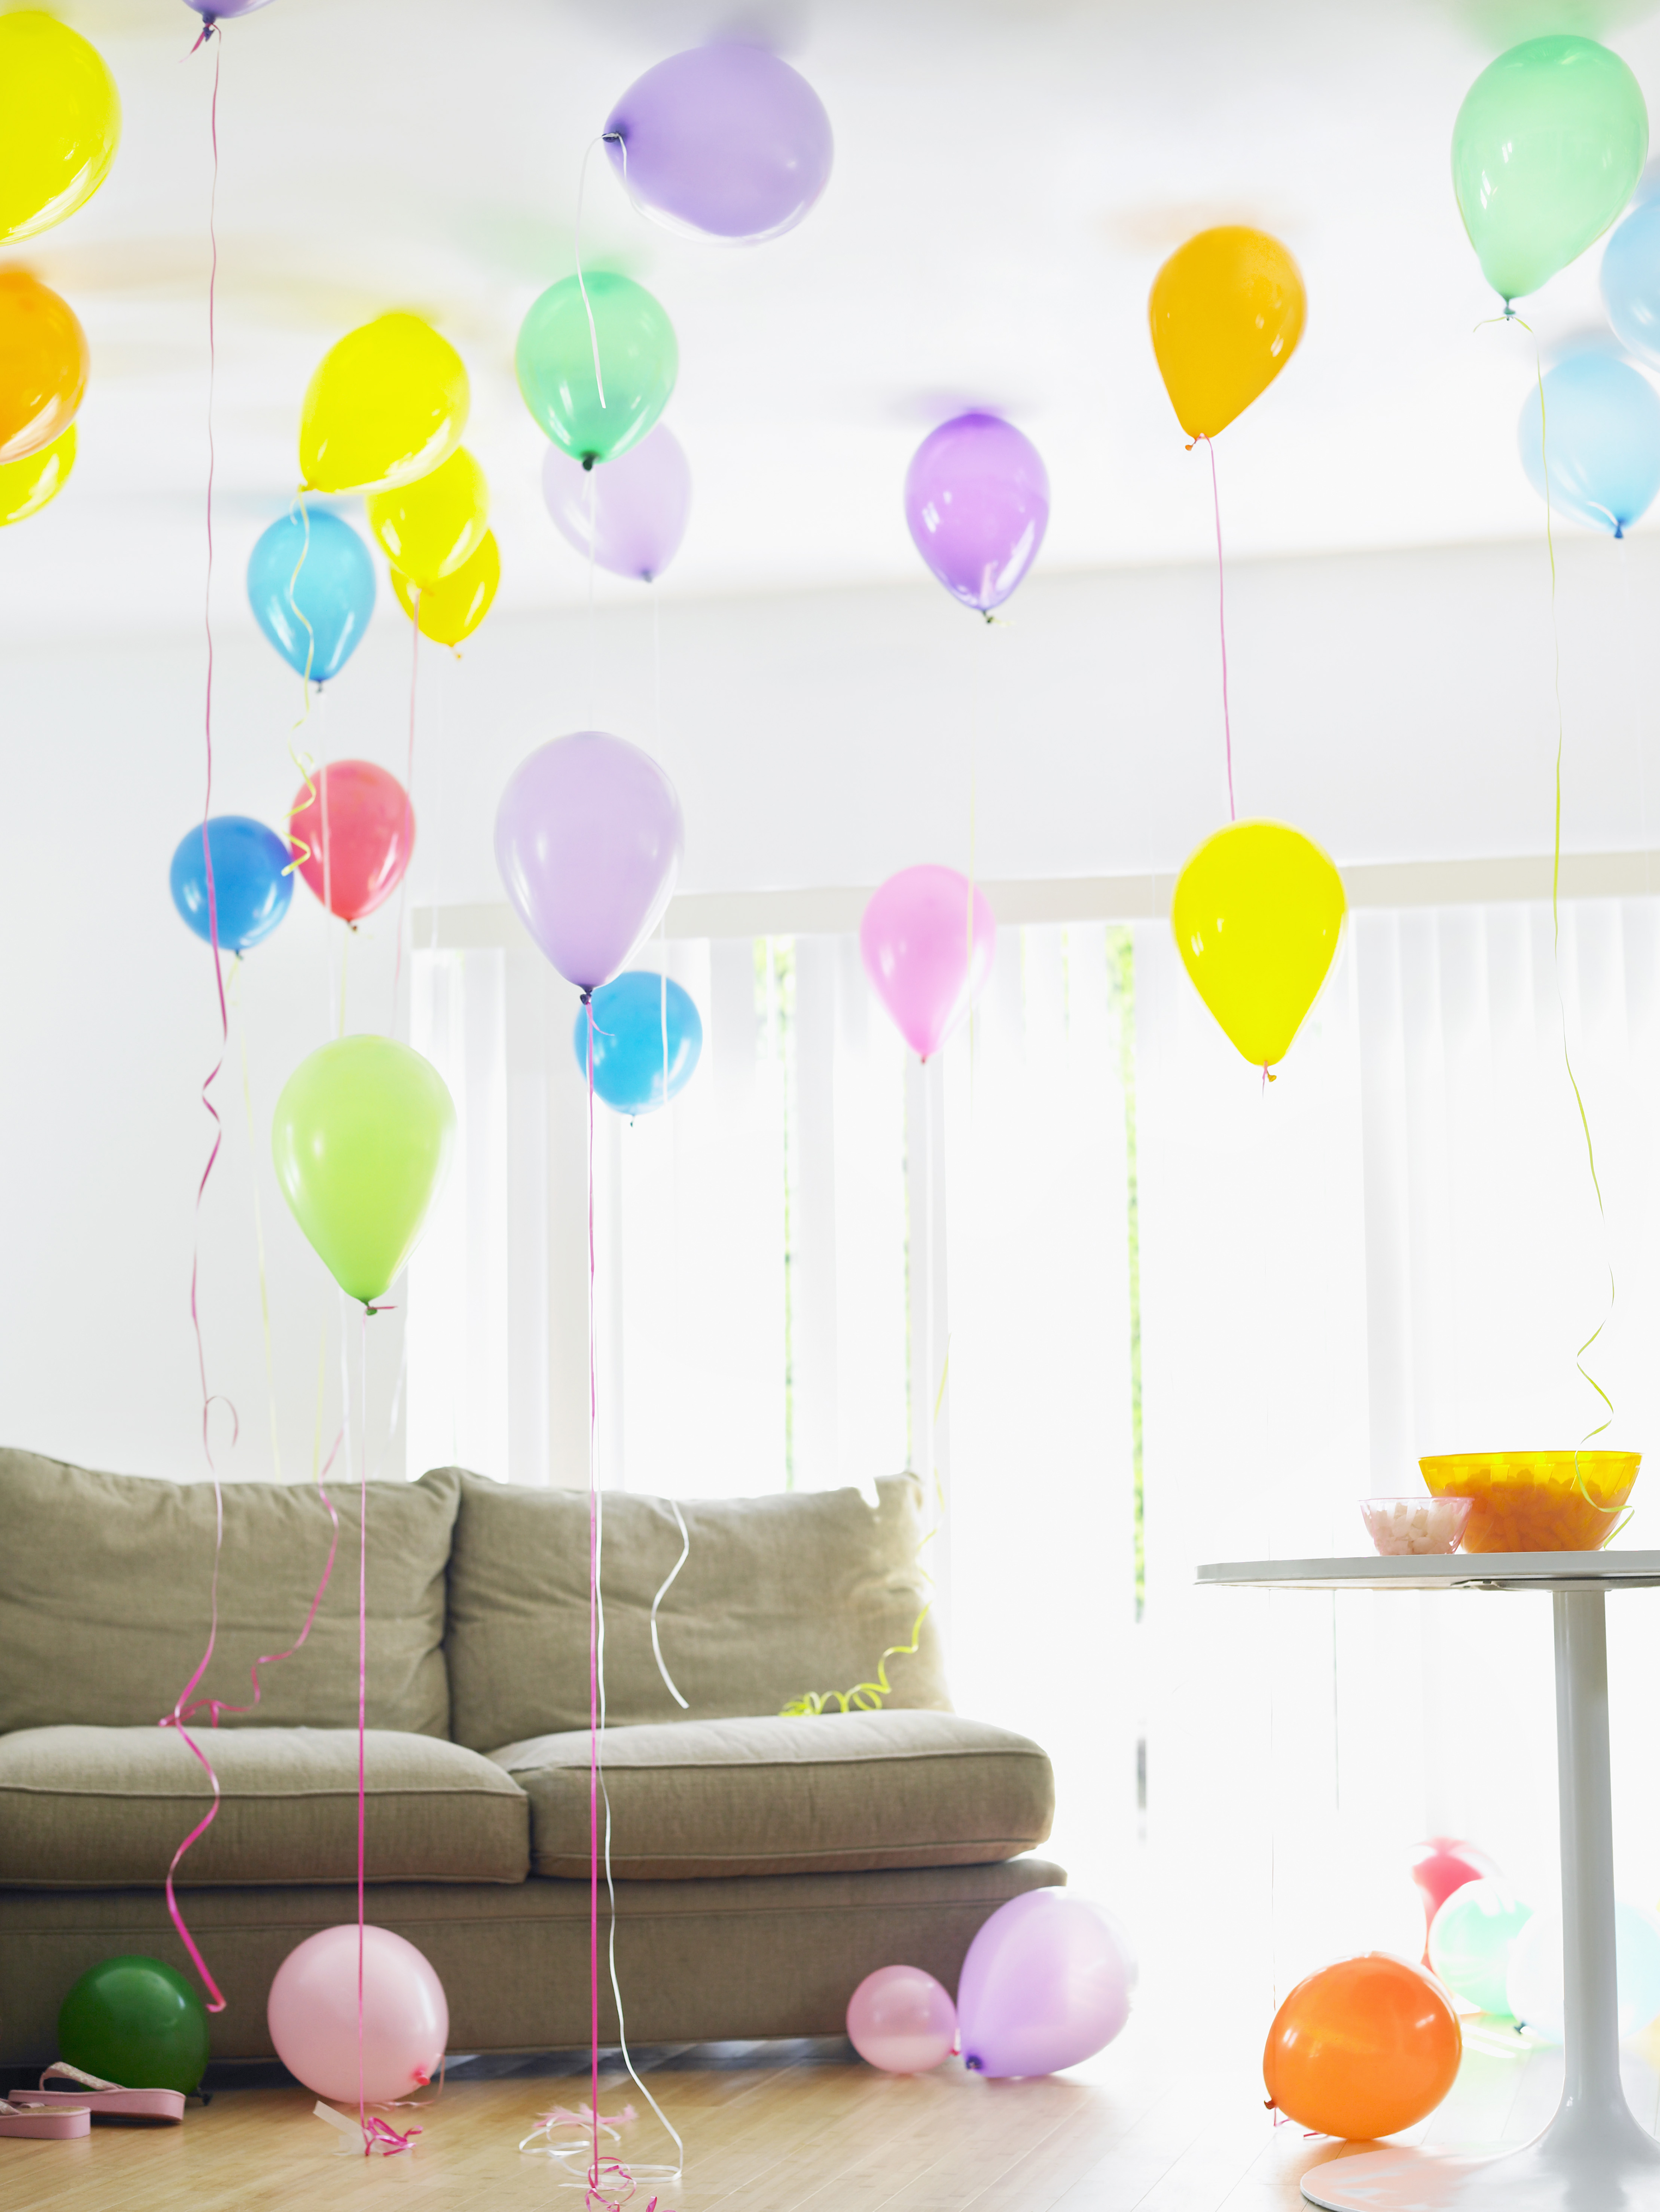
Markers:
point(612, 138)
point(1618, 529)
point(209, 25)
point(586, 997)
point(588, 460)
point(1269, 1076)
point(974, 2065)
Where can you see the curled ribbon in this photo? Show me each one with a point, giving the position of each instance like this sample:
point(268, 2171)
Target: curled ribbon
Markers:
point(374, 2133)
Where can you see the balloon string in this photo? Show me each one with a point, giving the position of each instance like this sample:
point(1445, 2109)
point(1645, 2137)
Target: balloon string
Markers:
point(1222, 627)
point(593, 543)
point(258, 1216)
point(582, 285)
point(593, 1644)
point(685, 1553)
point(409, 810)
point(363, 2120)
point(298, 611)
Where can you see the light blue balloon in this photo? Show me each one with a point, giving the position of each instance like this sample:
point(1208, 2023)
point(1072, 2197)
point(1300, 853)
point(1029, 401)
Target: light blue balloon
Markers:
point(1602, 432)
point(1631, 280)
point(628, 1041)
point(311, 584)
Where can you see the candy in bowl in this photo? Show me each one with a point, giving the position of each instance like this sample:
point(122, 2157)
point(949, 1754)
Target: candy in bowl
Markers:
point(1400, 1527)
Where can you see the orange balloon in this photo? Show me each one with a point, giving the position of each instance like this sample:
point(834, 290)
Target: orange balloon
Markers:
point(1226, 310)
point(42, 365)
point(1363, 2049)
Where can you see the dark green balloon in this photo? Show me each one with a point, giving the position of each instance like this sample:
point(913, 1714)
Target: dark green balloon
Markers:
point(638, 361)
point(138, 2022)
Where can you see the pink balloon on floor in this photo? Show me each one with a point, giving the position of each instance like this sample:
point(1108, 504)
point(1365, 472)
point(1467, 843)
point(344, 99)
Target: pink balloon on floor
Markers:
point(312, 2012)
point(639, 504)
point(914, 937)
point(1046, 1983)
point(901, 2019)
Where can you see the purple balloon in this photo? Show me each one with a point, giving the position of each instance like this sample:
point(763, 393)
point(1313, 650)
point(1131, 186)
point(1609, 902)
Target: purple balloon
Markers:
point(216, 11)
point(1046, 1983)
point(724, 140)
point(589, 836)
point(640, 503)
point(977, 499)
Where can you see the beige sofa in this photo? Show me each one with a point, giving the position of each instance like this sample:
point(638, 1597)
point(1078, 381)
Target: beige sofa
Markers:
point(763, 1864)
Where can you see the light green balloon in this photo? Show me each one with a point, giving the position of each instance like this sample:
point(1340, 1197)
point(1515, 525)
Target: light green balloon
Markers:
point(362, 1140)
point(638, 361)
point(1470, 1939)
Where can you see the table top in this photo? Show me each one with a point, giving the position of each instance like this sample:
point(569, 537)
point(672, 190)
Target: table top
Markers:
point(1550, 1571)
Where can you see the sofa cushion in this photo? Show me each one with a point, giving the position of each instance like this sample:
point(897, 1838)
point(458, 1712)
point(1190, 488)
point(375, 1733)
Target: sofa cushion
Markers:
point(780, 1595)
point(104, 1582)
point(106, 1807)
point(843, 1793)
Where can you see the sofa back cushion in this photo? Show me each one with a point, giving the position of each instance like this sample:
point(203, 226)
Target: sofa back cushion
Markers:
point(105, 1582)
point(779, 1596)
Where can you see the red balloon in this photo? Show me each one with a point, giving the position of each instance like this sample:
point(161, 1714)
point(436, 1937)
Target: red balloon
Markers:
point(359, 820)
point(1442, 1865)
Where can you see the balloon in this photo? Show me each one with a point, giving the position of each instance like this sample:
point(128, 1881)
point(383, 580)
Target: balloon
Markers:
point(638, 361)
point(60, 122)
point(1257, 913)
point(976, 501)
point(1442, 1865)
point(1631, 282)
point(1547, 147)
point(1362, 2049)
point(913, 935)
point(726, 142)
point(1533, 1984)
point(453, 608)
point(1601, 437)
point(639, 504)
point(1046, 1983)
point(901, 2019)
point(251, 888)
point(312, 2013)
point(134, 2021)
point(589, 837)
point(26, 486)
point(310, 585)
point(43, 364)
point(1471, 1939)
point(352, 835)
point(388, 403)
point(361, 1139)
point(1226, 310)
point(215, 11)
point(631, 1016)
point(429, 528)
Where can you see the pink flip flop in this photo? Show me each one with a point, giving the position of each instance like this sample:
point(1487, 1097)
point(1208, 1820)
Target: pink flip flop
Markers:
point(104, 2099)
point(59, 2122)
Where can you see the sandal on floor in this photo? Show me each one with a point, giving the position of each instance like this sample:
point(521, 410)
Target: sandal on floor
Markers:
point(104, 2099)
point(56, 2121)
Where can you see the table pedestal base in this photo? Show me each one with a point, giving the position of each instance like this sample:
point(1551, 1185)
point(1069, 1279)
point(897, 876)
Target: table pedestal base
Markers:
point(1566, 2169)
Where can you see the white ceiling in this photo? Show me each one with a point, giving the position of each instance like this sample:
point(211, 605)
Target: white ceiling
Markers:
point(1009, 175)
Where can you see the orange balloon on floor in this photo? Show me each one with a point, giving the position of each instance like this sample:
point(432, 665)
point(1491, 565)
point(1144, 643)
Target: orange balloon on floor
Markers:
point(42, 365)
point(1226, 310)
point(1363, 2048)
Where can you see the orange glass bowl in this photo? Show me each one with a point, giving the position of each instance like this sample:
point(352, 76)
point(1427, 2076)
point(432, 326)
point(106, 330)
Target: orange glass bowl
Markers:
point(1532, 1501)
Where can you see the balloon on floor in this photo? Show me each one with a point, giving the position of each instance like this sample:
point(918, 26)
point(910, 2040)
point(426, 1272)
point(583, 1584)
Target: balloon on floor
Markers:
point(252, 887)
point(900, 2019)
point(1533, 1980)
point(631, 515)
point(312, 2014)
point(310, 585)
point(388, 403)
point(1362, 2048)
point(977, 504)
point(1600, 434)
point(1471, 1939)
point(429, 528)
point(352, 828)
point(136, 2021)
point(646, 1027)
point(44, 364)
point(927, 961)
point(27, 485)
point(452, 609)
point(60, 122)
point(629, 337)
point(1226, 310)
point(1442, 1864)
point(1257, 916)
point(1047, 1983)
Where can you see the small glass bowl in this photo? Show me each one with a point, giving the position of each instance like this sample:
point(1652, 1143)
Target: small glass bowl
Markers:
point(1401, 1527)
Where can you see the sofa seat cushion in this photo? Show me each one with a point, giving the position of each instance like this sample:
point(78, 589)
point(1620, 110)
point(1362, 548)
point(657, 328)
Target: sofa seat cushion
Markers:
point(106, 1807)
point(843, 1793)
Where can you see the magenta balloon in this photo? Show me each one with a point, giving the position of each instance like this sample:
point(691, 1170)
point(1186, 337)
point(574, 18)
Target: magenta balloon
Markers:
point(1046, 1983)
point(640, 503)
point(312, 2013)
point(588, 837)
point(914, 937)
point(901, 2019)
point(977, 499)
point(725, 141)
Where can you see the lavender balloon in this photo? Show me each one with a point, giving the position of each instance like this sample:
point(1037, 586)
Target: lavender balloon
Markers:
point(638, 504)
point(589, 836)
point(1046, 1983)
point(214, 11)
point(977, 499)
point(914, 941)
point(725, 141)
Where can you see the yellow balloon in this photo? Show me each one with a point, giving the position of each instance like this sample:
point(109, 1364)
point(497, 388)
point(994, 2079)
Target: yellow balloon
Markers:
point(1227, 310)
point(26, 485)
point(428, 529)
point(452, 609)
point(1258, 914)
point(387, 405)
point(60, 122)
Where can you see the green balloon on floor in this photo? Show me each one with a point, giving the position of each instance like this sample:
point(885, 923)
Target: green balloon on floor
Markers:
point(1470, 1940)
point(134, 2021)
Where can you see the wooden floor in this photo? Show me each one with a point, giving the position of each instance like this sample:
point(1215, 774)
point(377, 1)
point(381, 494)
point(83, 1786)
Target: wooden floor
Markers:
point(1164, 2121)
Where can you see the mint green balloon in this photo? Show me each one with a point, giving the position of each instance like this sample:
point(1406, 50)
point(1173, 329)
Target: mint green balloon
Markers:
point(638, 361)
point(1470, 1939)
point(361, 1139)
point(1547, 146)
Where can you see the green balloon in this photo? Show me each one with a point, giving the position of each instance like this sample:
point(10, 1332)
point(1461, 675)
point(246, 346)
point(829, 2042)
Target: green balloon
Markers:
point(362, 1140)
point(136, 2022)
point(638, 361)
point(1549, 144)
point(1470, 1940)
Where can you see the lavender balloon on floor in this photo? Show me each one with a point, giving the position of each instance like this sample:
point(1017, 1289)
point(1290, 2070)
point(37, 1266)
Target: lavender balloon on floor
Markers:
point(638, 504)
point(977, 499)
point(588, 839)
point(725, 141)
point(1046, 1983)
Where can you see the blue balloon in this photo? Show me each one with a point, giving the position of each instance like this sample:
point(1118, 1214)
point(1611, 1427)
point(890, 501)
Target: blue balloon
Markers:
point(315, 618)
point(1602, 430)
point(251, 893)
point(1630, 280)
point(628, 1046)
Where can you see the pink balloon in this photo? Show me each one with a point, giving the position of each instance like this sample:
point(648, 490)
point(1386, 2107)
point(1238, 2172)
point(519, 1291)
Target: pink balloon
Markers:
point(312, 2014)
point(914, 937)
point(639, 504)
point(901, 2019)
point(1047, 1983)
